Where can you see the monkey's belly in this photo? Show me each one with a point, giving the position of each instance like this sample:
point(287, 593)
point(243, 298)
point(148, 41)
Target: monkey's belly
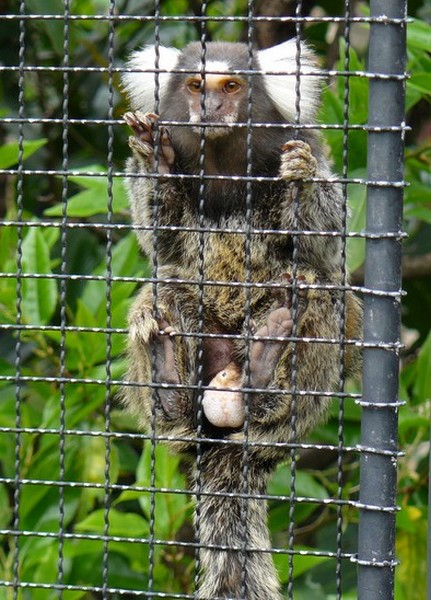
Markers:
point(228, 295)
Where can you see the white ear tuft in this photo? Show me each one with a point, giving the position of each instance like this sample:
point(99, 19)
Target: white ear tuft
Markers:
point(281, 60)
point(140, 85)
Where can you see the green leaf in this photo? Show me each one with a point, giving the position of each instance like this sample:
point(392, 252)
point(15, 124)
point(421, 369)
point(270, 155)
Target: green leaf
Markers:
point(419, 212)
point(120, 523)
point(357, 194)
point(419, 35)
point(412, 550)
point(170, 508)
point(92, 451)
point(5, 509)
point(421, 81)
point(305, 484)
point(125, 261)
point(53, 29)
point(94, 199)
point(417, 193)
point(301, 563)
point(422, 386)
point(412, 97)
point(9, 153)
point(39, 294)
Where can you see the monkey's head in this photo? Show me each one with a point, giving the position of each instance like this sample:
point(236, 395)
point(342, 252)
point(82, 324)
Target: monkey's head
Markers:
point(214, 96)
point(210, 86)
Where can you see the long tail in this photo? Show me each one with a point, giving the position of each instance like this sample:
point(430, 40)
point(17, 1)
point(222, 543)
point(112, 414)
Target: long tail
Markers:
point(232, 528)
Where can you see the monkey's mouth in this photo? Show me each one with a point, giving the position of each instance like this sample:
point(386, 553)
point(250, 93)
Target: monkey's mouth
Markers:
point(212, 132)
point(213, 126)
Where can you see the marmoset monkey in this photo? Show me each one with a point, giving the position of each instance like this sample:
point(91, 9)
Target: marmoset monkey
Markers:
point(222, 272)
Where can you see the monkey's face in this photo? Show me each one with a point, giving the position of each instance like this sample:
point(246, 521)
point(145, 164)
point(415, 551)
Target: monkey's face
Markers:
point(216, 100)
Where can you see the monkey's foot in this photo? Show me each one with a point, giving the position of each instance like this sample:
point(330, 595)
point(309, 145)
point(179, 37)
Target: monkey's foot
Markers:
point(165, 370)
point(265, 354)
point(297, 161)
point(157, 337)
point(144, 141)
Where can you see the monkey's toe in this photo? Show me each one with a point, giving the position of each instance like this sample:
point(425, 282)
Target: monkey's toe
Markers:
point(284, 294)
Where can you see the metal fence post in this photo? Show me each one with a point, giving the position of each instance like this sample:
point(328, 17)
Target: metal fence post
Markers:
point(376, 548)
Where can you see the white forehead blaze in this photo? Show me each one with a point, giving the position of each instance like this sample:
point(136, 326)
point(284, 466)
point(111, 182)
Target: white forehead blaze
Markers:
point(215, 66)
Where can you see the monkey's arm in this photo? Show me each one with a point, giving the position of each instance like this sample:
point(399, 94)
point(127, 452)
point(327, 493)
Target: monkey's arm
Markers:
point(155, 200)
point(311, 206)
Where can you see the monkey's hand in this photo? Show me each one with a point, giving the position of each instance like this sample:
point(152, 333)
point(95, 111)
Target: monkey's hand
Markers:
point(297, 161)
point(143, 143)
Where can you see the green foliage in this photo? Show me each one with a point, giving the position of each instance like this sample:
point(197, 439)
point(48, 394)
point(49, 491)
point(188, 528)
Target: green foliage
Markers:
point(79, 406)
point(9, 153)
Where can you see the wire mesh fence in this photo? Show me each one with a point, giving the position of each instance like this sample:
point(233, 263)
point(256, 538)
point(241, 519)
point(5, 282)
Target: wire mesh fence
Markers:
point(242, 323)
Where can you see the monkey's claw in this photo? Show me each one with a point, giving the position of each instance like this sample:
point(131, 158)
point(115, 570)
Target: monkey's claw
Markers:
point(297, 161)
point(146, 140)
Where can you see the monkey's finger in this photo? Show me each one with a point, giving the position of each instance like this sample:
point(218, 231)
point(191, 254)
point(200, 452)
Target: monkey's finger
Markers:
point(297, 170)
point(130, 119)
point(295, 145)
point(134, 122)
point(140, 146)
point(167, 148)
point(168, 330)
point(297, 161)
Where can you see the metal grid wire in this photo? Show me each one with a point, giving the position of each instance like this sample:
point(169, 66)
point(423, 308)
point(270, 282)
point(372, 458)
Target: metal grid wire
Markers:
point(83, 515)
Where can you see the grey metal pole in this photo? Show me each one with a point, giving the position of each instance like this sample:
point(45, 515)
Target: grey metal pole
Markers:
point(379, 444)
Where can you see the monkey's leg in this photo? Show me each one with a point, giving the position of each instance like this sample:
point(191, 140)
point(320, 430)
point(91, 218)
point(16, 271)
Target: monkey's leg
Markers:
point(224, 405)
point(143, 142)
point(165, 369)
point(307, 371)
point(265, 354)
point(157, 364)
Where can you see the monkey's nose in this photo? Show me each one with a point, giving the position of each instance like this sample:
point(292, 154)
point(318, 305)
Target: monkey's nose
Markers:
point(213, 105)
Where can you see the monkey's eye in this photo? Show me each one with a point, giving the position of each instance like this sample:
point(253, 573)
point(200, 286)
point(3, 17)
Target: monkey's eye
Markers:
point(194, 86)
point(231, 87)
